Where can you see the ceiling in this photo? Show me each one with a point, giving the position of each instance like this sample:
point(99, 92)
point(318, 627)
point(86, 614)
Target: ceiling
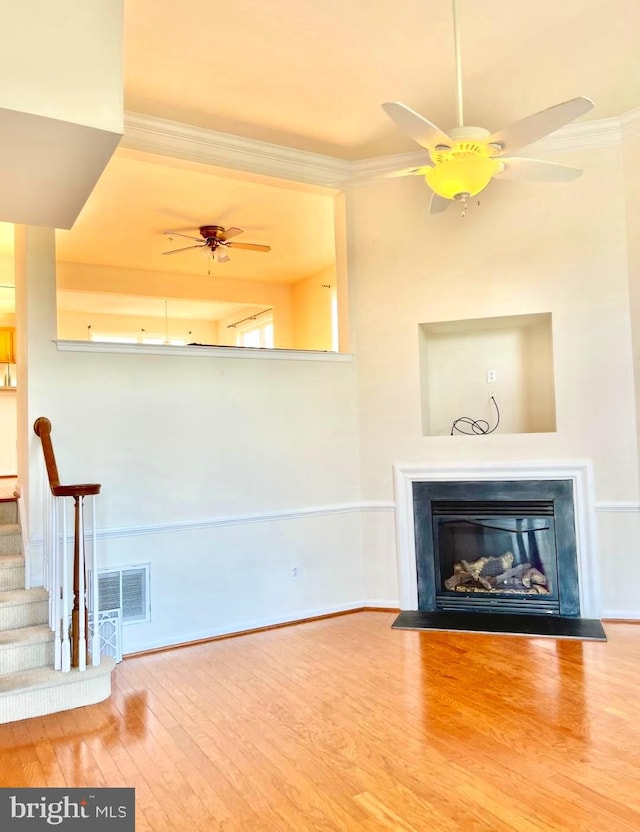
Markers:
point(311, 76)
point(141, 196)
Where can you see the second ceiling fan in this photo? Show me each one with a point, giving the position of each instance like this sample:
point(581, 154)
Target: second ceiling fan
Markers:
point(463, 162)
point(217, 239)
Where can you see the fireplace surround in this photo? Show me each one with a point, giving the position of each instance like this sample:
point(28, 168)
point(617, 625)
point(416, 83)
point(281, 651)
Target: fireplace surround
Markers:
point(565, 480)
point(499, 546)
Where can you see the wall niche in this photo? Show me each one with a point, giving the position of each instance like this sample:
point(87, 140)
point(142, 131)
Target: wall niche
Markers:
point(464, 363)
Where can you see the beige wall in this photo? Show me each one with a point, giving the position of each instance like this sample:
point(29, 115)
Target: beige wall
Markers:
point(85, 278)
point(311, 306)
point(8, 431)
point(75, 326)
point(529, 248)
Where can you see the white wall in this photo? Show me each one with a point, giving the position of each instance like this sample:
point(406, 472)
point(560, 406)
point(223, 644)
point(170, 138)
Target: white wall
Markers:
point(235, 469)
point(61, 106)
point(63, 61)
point(631, 150)
point(536, 248)
point(219, 472)
point(456, 359)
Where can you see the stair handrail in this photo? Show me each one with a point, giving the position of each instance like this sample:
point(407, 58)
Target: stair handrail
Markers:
point(70, 630)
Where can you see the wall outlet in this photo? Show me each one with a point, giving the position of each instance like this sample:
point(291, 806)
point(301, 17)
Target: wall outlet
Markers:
point(491, 376)
point(295, 573)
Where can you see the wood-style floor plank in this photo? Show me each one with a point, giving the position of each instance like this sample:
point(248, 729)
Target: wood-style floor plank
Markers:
point(345, 724)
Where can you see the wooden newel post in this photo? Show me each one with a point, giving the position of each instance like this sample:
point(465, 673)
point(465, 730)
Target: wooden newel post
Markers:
point(42, 428)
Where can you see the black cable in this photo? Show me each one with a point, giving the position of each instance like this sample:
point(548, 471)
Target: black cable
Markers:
point(479, 427)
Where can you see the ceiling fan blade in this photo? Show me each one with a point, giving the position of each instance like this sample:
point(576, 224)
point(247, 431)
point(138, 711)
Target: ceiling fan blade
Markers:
point(230, 232)
point(424, 132)
point(530, 129)
point(363, 178)
point(249, 246)
point(438, 204)
point(186, 248)
point(178, 234)
point(519, 169)
point(414, 171)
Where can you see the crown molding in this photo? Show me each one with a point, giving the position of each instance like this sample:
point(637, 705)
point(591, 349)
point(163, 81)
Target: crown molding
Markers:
point(197, 144)
point(585, 135)
point(184, 141)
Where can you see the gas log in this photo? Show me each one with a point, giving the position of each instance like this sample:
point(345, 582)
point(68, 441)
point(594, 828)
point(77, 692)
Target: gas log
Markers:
point(496, 574)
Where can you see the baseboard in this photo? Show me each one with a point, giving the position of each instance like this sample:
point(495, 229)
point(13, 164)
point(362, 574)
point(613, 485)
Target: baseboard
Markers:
point(381, 604)
point(620, 615)
point(254, 627)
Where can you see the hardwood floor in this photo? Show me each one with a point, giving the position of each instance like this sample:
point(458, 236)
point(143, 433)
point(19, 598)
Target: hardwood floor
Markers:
point(345, 724)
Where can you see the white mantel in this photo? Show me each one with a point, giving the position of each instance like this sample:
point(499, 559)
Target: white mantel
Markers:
point(579, 472)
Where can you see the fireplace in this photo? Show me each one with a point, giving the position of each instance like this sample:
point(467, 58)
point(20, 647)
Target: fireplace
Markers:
point(498, 547)
point(540, 512)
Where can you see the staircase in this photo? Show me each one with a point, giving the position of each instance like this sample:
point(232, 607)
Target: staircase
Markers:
point(29, 686)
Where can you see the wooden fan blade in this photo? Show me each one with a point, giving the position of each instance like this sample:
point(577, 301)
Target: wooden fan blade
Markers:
point(534, 127)
point(419, 128)
point(228, 233)
point(186, 248)
point(536, 170)
point(178, 234)
point(249, 246)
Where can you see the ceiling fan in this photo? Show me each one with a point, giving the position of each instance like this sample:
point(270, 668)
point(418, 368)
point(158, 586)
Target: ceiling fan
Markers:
point(463, 161)
point(217, 239)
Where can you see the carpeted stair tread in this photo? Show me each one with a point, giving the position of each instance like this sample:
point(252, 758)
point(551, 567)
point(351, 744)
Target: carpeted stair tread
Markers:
point(13, 561)
point(8, 512)
point(10, 539)
point(16, 597)
point(46, 677)
point(25, 635)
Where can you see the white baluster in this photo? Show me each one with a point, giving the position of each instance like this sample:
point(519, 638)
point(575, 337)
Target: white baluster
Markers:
point(46, 541)
point(55, 588)
point(82, 595)
point(95, 644)
point(64, 568)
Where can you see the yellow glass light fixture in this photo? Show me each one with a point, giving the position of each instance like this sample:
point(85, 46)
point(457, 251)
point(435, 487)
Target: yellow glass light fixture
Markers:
point(461, 171)
point(7, 353)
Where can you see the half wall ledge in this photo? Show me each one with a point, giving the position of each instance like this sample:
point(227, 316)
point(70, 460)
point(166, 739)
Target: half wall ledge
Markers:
point(261, 353)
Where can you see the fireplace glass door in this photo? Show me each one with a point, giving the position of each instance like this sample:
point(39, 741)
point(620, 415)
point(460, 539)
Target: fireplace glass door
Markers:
point(495, 557)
